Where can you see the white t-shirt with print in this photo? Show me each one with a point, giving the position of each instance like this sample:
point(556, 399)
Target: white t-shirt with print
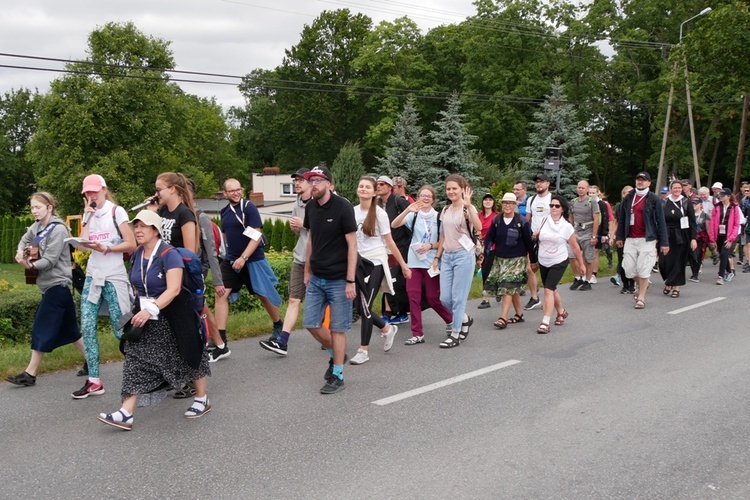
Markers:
point(382, 227)
point(102, 229)
point(539, 209)
point(553, 242)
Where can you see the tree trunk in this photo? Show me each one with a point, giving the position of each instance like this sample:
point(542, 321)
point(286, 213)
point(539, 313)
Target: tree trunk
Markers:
point(741, 145)
point(709, 183)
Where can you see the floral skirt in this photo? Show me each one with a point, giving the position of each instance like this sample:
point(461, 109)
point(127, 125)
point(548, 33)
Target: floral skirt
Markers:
point(507, 277)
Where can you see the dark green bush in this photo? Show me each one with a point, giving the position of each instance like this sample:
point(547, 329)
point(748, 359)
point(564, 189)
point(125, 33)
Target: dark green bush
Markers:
point(17, 310)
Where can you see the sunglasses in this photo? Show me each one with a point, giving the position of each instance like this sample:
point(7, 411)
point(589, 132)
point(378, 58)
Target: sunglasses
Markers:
point(555, 205)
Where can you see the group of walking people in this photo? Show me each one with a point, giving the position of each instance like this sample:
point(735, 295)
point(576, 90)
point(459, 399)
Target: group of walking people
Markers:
point(343, 258)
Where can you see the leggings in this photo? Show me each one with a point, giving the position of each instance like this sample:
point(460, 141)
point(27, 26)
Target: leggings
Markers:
point(368, 295)
point(724, 254)
point(627, 283)
point(89, 318)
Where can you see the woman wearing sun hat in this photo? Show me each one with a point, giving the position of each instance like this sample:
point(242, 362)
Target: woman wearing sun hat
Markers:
point(510, 236)
point(154, 362)
point(106, 284)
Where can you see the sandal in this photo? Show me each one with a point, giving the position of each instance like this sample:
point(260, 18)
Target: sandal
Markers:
point(561, 317)
point(543, 328)
point(449, 342)
point(675, 293)
point(194, 412)
point(466, 324)
point(501, 323)
point(666, 290)
point(518, 318)
point(639, 304)
point(125, 424)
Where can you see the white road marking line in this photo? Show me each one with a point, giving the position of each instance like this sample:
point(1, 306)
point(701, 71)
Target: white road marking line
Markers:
point(444, 383)
point(696, 306)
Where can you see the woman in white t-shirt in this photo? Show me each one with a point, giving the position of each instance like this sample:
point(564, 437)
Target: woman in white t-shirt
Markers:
point(107, 281)
point(373, 242)
point(555, 234)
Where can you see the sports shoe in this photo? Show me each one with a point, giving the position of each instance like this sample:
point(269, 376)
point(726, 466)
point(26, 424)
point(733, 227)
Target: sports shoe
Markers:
point(397, 320)
point(333, 385)
point(719, 280)
point(694, 278)
point(593, 280)
point(218, 354)
point(386, 319)
point(274, 345)
point(23, 379)
point(746, 269)
point(89, 389)
point(360, 358)
point(729, 276)
point(84, 371)
point(585, 286)
point(485, 304)
point(532, 303)
point(210, 346)
point(715, 259)
point(615, 280)
point(414, 340)
point(388, 337)
point(655, 269)
point(576, 283)
point(329, 371)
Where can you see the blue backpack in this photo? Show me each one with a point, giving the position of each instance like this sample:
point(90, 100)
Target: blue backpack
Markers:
point(192, 276)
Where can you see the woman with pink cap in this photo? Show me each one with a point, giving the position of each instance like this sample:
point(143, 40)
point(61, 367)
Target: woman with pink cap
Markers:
point(106, 287)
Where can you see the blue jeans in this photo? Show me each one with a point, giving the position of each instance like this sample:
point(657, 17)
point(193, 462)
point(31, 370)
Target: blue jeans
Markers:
point(321, 293)
point(456, 273)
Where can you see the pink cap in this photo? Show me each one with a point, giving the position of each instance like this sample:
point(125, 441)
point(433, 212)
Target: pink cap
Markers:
point(93, 182)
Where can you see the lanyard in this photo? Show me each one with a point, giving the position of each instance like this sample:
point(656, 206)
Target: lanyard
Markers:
point(144, 273)
point(427, 228)
point(635, 202)
point(242, 209)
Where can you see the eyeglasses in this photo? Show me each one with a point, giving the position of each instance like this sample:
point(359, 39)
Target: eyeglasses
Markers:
point(235, 191)
point(555, 205)
point(383, 184)
point(317, 180)
point(426, 196)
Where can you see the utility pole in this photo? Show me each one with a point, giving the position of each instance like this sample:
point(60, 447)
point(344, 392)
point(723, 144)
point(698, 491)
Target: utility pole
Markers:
point(741, 145)
point(660, 174)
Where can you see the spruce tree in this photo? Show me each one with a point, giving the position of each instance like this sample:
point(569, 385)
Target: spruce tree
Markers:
point(555, 125)
point(347, 168)
point(406, 155)
point(450, 150)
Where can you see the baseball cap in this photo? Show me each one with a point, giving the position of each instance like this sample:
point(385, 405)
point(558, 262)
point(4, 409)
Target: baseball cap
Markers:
point(94, 183)
point(148, 217)
point(319, 171)
point(644, 175)
point(697, 201)
point(386, 179)
point(541, 177)
point(725, 192)
point(685, 182)
point(300, 173)
point(488, 195)
point(664, 190)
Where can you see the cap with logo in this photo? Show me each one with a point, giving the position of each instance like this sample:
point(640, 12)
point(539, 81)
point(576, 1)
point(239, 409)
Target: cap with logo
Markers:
point(319, 171)
point(643, 175)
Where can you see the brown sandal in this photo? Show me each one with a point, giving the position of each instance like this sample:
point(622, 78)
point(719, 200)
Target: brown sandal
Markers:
point(501, 323)
point(543, 328)
point(518, 318)
point(561, 317)
point(639, 304)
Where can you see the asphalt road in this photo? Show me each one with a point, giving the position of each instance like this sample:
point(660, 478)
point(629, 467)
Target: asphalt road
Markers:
point(617, 403)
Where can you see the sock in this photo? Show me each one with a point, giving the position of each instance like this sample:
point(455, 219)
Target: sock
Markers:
point(223, 334)
point(221, 346)
point(94, 380)
point(546, 319)
point(330, 352)
point(284, 337)
point(200, 403)
point(454, 335)
point(338, 371)
point(278, 325)
point(466, 318)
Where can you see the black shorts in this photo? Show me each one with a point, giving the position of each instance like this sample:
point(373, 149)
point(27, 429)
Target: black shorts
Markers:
point(233, 280)
point(551, 276)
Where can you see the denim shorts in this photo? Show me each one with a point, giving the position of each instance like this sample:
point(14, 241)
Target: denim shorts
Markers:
point(321, 293)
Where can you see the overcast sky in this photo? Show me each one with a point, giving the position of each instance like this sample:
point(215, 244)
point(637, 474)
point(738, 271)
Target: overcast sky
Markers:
point(217, 36)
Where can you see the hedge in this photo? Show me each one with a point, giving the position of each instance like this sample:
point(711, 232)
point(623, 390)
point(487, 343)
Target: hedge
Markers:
point(11, 230)
point(18, 303)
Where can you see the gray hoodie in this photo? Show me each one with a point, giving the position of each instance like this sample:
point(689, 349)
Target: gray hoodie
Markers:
point(54, 255)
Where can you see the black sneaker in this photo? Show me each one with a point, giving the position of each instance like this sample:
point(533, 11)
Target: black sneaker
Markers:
point(22, 379)
point(329, 371)
point(84, 372)
point(576, 284)
point(333, 385)
point(274, 345)
point(218, 354)
point(694, 278)
point(585, 286)
point(532, 303)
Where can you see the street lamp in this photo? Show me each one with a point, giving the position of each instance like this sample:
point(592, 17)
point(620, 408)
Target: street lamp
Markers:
point(660, 174)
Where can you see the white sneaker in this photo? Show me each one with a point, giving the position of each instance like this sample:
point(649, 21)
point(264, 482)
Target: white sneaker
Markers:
point(388, 337)
point(593, 279)
point(360, 358)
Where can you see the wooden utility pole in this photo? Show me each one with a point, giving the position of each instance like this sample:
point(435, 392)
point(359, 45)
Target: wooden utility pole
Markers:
point(660, 174)
point(741, 145)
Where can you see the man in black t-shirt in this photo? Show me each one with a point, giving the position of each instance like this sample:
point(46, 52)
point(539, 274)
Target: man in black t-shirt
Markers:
point(330, 269)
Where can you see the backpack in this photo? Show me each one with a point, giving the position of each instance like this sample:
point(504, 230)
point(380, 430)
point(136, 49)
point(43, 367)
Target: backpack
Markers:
point(219, 244)
point(192, 275)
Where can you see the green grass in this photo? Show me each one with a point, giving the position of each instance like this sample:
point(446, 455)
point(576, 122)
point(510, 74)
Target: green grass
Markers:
point(13, 359)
